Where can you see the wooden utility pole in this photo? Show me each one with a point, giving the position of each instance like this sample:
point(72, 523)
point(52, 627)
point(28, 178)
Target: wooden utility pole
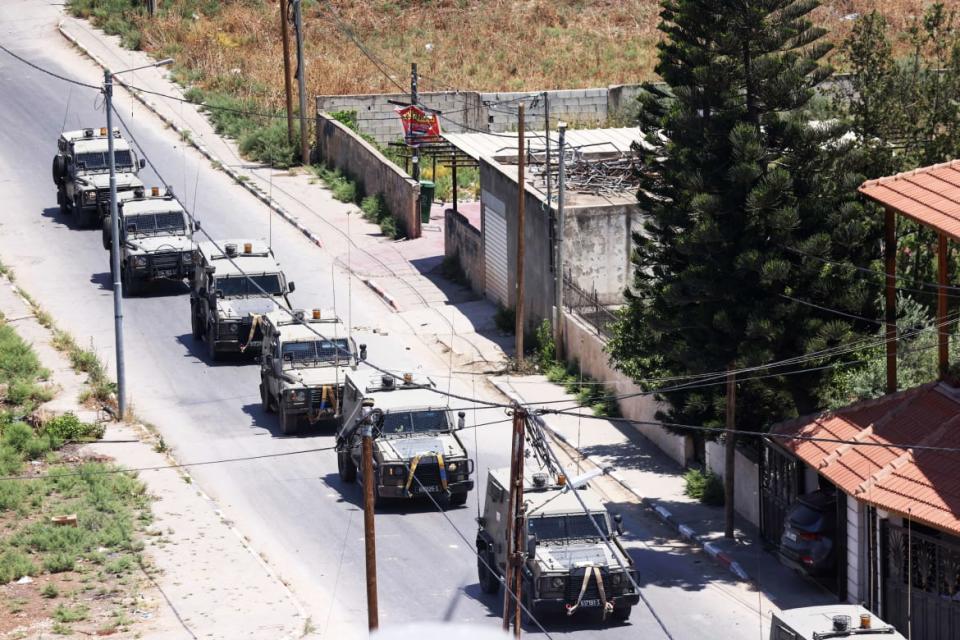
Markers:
point(730, 455)
point(301, 81)
point(369, 534)
point(890, 266)
point(516, 529)
point(284, 34)
point(943, 331)
point(521, 230)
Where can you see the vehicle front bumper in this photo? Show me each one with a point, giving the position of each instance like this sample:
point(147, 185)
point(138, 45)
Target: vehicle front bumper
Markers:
point(561, 604)
point(234, 346)
point(393, 491)
point(164, 267)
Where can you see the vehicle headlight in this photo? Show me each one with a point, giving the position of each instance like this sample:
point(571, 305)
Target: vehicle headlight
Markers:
point(297, 395)
point(558, 582)
point(229, 327)
point(553, 585)
point(453, 466)
point(616, 579)
point(188, 257)
point(139, 261)
point(89, 196)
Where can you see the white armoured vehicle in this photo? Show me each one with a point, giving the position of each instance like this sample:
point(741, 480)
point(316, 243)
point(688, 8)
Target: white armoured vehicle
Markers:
point(416, 449)
point(81, 172)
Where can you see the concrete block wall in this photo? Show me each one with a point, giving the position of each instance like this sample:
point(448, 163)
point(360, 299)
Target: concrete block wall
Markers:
point(471, 111)
point(340, 148)
point(581, 344)
point(463, 240)
point(598, 242)
point(746, 489)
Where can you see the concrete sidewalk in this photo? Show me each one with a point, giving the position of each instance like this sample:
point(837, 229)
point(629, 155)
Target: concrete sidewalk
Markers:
point(657, 481)
point(404, 274)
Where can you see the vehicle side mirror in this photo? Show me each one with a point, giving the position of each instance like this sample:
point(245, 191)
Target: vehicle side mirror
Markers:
point(291, 287)
point(196, 225)
point(142, 163)
point(461, 419)
point(618, 523)
point(531, 545)
point(81, 164)
point(363, 352)
point(218, 293)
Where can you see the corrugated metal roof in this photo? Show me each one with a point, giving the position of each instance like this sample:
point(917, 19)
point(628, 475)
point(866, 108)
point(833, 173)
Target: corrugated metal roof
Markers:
point(495, 147)
point(921, 484)
point(929, 195)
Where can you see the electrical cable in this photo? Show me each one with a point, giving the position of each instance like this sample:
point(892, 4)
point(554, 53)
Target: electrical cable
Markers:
point(184, 465)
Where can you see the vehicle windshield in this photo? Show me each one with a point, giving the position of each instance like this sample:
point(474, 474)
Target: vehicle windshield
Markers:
point(415, 422)
point(567, 526)
point(231, 286)
point(92, 160)
point(313, 351)
point(167, 223)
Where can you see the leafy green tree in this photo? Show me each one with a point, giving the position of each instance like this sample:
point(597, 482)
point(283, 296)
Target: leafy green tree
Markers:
point(741, 189)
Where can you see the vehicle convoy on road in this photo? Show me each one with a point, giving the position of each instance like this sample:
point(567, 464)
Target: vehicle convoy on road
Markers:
point(301, 373)
point(829, 621)
point(416, 449)
point(81, 172)
point(567, 565)
point(156, 241)
point(234, 284)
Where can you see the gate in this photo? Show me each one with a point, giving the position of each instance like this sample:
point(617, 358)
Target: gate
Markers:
point(495, 250)
point(927, 570)
point(781, 481)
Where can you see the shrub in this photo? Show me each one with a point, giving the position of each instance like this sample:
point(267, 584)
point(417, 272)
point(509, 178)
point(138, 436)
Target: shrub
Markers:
point(70, 614)
point(14, 565)
point(58, 562)
point(69, 428)
point(706, 487)
point(269, 144)
point(17, 436)
point(546, 347)
point(12, 494)
point(50, 591)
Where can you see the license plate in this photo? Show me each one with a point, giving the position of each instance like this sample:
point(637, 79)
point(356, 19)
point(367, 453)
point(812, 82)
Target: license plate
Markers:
point(166, 273)
point(430, 488)
point(590, 603)
point(791, 536)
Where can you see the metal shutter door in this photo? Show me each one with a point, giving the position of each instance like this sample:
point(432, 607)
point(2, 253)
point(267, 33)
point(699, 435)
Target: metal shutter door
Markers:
point(495, 249)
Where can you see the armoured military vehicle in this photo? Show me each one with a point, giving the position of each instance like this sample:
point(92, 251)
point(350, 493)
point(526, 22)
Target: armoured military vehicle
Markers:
point(81, 172)
point(830, 621)
point(234, 283)
point(567, 566)
point(301, 373)
point(416, 449)
point(156, 241)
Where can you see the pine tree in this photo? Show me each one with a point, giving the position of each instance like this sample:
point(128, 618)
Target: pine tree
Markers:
point(741, 190)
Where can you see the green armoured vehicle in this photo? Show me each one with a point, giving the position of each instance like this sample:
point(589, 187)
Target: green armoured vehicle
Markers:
point(567, 566)
point(81, 172)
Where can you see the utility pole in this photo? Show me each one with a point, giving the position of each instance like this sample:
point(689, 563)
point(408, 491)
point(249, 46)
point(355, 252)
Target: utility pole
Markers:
point(558, 239)
point(521, 228)
point(115, 254)
point(729, 454)
point(516, 528)
point(369, 534)
point(414, 99)
point(301, 74)
point(284, 28)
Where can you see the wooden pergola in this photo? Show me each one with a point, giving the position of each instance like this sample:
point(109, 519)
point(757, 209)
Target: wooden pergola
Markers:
point(931, 197)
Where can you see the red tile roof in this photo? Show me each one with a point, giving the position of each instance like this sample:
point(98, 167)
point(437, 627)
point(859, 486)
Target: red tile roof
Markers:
point(922, 484)
point(930, 195)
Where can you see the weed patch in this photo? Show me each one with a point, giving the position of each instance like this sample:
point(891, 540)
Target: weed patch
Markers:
point(706, 487)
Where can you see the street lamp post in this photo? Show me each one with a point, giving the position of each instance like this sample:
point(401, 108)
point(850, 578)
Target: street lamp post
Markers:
point(115, 238)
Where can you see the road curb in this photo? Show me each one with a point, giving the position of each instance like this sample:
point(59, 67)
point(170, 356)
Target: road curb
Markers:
point(686, 532)
point(186, 135)
point(377, 289)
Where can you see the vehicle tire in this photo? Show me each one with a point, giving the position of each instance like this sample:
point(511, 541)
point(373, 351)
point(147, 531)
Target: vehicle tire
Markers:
point(622, 613)
point(265, 397)
point(62, 202)
point(59, 169)
point(288, 423)
point(457, 499)
point(131, 286)
point(196, 327)
point(105, 234)
point(345, 467)
point(211, 345)
point(489, 583)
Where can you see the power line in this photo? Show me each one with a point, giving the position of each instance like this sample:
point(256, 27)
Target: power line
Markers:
point(47, 71)
point(184, 465)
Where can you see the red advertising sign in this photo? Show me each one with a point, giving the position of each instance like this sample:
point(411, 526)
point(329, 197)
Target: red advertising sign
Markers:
point(418, 124)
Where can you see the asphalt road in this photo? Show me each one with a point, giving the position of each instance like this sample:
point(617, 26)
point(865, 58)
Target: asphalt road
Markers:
point(293, 509)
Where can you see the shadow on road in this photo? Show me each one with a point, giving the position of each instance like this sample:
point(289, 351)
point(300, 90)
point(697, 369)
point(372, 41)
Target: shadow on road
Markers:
point(197, 348)
point(164, 288)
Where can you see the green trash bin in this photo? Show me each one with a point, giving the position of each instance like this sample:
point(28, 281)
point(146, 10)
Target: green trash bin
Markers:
point(427, 189)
